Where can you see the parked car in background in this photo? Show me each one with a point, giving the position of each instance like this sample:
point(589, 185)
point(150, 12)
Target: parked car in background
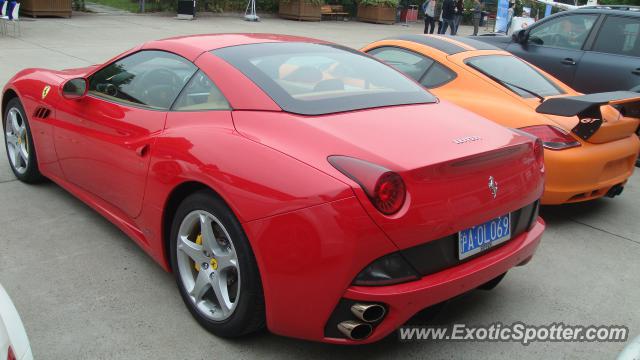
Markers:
point(14, 343)
point(503, 88)
point(592, 49)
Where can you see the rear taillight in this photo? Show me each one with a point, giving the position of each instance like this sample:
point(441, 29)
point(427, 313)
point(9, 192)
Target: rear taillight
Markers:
point(385, 188)
point(553, 138)
point(538, 151)
point(11, 355)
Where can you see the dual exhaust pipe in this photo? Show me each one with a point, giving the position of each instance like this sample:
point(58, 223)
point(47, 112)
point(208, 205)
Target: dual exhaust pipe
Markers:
point(367, 314)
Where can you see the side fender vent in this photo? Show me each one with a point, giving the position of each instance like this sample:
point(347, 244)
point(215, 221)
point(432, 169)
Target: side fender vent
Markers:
point(41, 112)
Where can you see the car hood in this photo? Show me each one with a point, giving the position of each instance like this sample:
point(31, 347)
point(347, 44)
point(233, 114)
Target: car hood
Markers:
point(75, 72)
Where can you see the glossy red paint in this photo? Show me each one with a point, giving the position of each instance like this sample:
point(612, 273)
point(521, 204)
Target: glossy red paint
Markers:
point(312, 228)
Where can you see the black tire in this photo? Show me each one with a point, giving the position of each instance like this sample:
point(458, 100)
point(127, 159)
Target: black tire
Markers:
point(491, 284)
point(249, 314)
point(32, 174)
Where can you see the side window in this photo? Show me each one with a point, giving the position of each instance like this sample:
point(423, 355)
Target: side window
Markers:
point(619, 35)
point(201, 94)
point(147, 78)
point(407, 62)
point(437, 75)
point(566, 32)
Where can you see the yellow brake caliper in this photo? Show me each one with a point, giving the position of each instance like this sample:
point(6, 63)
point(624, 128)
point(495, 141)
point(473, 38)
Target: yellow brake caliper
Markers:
point(213, 262)
point(199, 242)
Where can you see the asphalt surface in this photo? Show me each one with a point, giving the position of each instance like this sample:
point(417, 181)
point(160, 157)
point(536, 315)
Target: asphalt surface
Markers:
point(85, 291)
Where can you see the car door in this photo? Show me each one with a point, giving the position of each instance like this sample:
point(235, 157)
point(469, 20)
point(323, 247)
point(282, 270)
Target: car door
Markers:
point(556, 45)
point(103, 139)
point(613, 62)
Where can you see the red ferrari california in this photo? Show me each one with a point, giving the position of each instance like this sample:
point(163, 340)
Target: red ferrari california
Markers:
point(287, 182)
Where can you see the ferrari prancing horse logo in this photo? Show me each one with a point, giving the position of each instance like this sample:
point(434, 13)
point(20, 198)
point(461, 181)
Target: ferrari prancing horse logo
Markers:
point(493, 186)
point(45, 91)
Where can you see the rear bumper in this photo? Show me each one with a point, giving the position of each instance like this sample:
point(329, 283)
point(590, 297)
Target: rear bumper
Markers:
point(589, 171)
point(405, 300)
point(309, 258)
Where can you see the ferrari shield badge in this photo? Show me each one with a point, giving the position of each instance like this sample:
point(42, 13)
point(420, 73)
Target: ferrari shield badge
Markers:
point(45, 91)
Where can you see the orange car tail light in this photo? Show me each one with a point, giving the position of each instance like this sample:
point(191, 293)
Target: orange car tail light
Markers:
point(385, 188)
point(553, 138)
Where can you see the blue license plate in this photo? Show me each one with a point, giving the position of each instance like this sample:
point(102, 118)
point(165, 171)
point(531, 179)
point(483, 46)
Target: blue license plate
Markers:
point(482, 237)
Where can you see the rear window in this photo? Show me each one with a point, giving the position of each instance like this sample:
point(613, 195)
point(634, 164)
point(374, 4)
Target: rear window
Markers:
point(515, 74)
point(315, 79)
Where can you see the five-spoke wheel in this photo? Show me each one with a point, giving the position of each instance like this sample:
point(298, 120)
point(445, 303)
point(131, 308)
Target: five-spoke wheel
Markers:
point(17, 140)
point(208, 265)
point(215, 268)
point(19, 143)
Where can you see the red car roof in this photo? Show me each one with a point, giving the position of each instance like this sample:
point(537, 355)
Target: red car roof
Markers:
point(191, 46)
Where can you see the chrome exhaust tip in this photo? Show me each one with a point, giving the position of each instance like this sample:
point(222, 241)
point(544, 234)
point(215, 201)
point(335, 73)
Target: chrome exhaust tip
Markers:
point(368, 312)
point(355, 330)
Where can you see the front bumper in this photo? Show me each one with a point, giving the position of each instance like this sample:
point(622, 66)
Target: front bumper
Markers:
point(405, 300)
point(589, 171)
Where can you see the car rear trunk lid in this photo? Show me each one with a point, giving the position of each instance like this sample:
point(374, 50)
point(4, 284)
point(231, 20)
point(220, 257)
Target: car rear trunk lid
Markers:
point(445, 155)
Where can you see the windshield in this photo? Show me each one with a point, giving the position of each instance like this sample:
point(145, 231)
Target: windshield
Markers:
point(513, 71)
point(314, 79)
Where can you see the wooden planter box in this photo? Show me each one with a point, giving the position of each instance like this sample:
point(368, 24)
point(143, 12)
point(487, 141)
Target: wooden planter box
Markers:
point(377, 14)
point(299, 10)
point(35, 8)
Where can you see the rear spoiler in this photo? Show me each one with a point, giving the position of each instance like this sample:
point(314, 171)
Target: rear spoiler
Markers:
point(587, 108)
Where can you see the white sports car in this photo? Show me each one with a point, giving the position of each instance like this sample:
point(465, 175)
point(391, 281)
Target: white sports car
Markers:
point(14, 344)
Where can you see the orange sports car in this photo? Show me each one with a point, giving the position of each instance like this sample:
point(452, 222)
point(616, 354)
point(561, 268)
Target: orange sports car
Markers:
point(590, 141)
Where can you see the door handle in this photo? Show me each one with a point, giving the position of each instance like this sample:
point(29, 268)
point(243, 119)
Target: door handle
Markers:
point(636, 71)
point(568, 61)
point(142, 150)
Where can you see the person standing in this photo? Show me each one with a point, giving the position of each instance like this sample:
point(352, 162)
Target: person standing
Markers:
point(477, 14)
point(428, 9)
point(448, 15)
point(458, 17)
point(437, 15)
point(510, 16)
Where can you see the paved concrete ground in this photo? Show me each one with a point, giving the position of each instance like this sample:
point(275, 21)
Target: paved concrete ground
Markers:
point(85, 291)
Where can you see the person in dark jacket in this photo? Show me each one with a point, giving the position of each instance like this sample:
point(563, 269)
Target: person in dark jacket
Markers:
point(458, 17)
point(448, 15)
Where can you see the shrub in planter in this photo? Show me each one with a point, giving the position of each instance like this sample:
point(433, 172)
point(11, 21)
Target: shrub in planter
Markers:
point(301, 9)
point(377, 11)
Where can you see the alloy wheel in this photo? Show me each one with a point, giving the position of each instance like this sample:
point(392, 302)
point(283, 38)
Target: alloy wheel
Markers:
point(208, 265)
point(17, 140)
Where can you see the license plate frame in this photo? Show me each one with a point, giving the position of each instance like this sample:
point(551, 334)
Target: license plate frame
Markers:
point(482, 237)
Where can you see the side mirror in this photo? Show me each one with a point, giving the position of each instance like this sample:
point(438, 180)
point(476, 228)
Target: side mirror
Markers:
point(520, 36)
point(75, 88)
